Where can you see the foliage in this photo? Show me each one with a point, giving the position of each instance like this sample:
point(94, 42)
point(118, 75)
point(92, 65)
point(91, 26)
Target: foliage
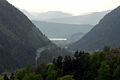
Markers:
point(51, 73)
point(83, 66)
point(104, 72)
point(1, 78)
point(116, 74)
point(67, 77)
point(32, 76)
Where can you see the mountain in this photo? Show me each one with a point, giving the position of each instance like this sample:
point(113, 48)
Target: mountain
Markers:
point(66, 18)
point(21, 42)
point(59, 30)
point(92, 18)
point(51, 15)
point(28, 14)
point(76, 36)
point(46, 15)
point(105, 33)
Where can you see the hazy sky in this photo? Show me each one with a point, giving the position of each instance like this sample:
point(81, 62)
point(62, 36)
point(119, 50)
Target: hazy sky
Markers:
point(75, 7)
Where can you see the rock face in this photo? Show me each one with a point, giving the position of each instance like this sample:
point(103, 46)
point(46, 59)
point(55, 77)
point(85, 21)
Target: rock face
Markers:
point(19, 38)
point(105, 33)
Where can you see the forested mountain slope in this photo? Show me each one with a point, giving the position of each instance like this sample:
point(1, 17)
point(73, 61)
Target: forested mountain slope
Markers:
point(105, 33)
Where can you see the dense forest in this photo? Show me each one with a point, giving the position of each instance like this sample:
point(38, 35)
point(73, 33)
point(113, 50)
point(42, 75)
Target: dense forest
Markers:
point(101, 65)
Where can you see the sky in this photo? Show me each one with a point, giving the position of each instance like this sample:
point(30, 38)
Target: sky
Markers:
point(75, 7)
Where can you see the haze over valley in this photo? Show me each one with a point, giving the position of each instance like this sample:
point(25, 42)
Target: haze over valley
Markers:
point(59, 40)
point(56, 24)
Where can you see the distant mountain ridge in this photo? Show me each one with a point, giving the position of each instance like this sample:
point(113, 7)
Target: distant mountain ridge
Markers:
point(52, 15)
point(46, 15)
point(66, 18)
point(105, 33)
point(92, 18)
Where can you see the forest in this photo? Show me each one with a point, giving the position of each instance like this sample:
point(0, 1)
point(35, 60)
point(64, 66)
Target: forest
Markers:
point(99, 65)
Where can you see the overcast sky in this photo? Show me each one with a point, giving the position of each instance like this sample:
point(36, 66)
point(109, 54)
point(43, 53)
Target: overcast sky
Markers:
point(75, 7)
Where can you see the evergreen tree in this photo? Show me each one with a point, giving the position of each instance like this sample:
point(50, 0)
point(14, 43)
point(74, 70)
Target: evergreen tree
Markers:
point(58, 62)
point(67, 65)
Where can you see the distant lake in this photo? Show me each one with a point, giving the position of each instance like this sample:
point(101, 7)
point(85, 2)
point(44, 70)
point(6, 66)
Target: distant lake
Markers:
point(58, 39)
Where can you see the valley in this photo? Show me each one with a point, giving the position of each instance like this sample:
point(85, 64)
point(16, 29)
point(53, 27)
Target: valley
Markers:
point(57, 44)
